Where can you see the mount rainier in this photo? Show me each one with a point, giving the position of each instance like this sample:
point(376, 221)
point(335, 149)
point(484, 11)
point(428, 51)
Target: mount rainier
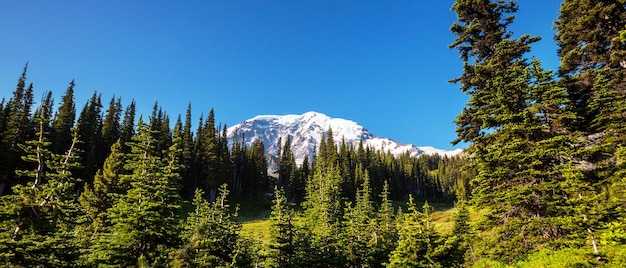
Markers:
point(307, 129)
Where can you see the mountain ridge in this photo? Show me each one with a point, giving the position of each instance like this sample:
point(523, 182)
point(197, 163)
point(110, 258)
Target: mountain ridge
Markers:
point(308, 128)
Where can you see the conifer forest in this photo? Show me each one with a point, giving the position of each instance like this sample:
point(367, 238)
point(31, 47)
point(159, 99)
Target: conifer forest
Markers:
point(542, 182)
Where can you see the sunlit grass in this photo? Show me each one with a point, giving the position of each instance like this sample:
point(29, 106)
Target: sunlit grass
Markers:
point(254, 218)
point(443, 220)
point(255, 223)
point(257, 229)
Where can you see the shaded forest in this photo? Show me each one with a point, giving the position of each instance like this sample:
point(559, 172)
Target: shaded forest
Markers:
point(542, 181)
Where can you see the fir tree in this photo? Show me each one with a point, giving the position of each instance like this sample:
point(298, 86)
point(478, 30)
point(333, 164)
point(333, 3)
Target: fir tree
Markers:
point(238, 160)
point(359, 227)
point(224, 158)
point(38, 219)
point(127, 129)
point(64, 121)
point(45, 109)
point(187, 155)
point(199, 161)
point(110, 127)
point(349, 183)
point(143, 222)
point(89, 125)
point(98, 197)
point(283, 243)
point(257, 182)
point(298, 181)
point(330, 154)
point(515, 122)
point(385, 233)
point(160, 127)
point(322, 217)
point(286, 168)
point(210, 236)
point(208, 158)
point(17, 117)
point(459, 239)
point(593, 72)
point(419, 245)
point(585, 35)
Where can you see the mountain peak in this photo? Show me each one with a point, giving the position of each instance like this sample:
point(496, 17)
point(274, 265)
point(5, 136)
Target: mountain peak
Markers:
point(291, 118)
point(306, 131)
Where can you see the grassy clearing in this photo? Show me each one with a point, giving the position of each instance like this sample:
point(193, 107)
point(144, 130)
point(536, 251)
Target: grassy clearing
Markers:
point(254, 218)
point(443, 220)
point(442, 216)
point(255, 223)
point(257, 229)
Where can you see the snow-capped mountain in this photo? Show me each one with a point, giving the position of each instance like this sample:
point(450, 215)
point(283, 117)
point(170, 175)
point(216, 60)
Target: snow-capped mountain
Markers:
point(307, 129)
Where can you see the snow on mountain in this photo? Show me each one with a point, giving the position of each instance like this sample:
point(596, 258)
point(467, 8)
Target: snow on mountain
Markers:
point(432, 150)
point(307, 129)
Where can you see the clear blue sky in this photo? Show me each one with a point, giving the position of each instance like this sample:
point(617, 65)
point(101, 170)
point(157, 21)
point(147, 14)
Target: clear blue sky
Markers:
point(383, 64)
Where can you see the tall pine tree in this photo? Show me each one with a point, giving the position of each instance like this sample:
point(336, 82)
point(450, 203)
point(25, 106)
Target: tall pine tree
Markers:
point(61, 134)
point(17, 118)
point(39, 218)
point(143, 222)
point(515, 121)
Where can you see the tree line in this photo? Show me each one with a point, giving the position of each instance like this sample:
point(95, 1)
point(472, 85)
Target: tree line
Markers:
point(207, 157)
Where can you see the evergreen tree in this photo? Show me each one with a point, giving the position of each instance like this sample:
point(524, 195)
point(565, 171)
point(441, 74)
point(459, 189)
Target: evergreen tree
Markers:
point(323, 216)
point(460, 238)
point(586, 31)
point(359, 227)
point(160, 127)
point(111, 129)
point(615, 233)
point(419, 245)
point(17, 117)
point(127, 129)
point(61, 134)
point(385, 233)
point(208, 158)
point(239, 161)
point(187, 155)
point(283, 243)
point(210, 237)
point(287, 168)
point(515, 122)
point(143, 222)
point(224, 158)
point(330, 154)
point(3, 146)
point(107, 189)
point(37, 221)
point(349, 183)
point(298, 181)
point(487, 51)
point(593, 72)
point(45, 110)
point(89, 125)
point(198, 166)
point(256, 179)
